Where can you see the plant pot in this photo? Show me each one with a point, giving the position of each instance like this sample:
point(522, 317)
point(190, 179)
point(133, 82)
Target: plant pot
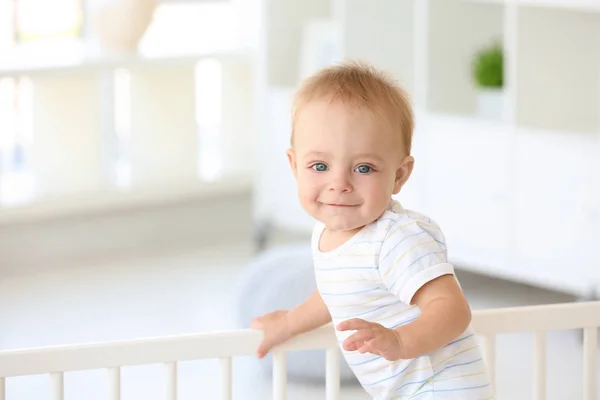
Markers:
point(491, 103)
point(117, 26)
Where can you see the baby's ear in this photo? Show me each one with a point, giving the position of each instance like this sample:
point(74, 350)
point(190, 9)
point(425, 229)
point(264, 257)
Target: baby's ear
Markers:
point(291, 155)
point(403, 173)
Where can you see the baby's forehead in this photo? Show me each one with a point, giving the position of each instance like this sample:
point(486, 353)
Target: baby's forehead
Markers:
point(320, 117)
point(324, 115)
point(345, 145)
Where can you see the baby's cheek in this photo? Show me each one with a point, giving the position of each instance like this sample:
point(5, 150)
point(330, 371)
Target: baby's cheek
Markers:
point(307, 195)
point(376, 200)
point(307, 187)
point(379, 190)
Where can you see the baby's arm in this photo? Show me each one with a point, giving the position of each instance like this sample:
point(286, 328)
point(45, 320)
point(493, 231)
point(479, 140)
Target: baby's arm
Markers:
point(445, 314)
point(280, 326)
point(413, 266)
point(309, 315)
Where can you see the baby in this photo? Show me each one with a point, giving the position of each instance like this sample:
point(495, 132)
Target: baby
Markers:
point(382, 272)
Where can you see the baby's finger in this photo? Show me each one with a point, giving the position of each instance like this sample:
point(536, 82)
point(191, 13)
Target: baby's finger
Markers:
point(263, 349)
point(353, 324)
point(357, 339)
point(353, 346)
point(257, 323)
point(369, 347)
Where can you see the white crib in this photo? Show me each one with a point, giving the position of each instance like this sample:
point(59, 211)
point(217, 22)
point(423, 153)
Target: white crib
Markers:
point(226, 345)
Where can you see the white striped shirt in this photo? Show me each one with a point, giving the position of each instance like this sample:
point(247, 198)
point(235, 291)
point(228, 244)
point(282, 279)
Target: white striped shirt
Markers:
point(374, 276)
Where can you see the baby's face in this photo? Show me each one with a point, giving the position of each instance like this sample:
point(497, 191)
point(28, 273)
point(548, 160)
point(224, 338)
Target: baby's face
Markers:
point(347, 167)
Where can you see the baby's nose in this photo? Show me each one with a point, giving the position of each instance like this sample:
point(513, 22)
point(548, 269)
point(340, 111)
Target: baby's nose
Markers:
point(341, 183)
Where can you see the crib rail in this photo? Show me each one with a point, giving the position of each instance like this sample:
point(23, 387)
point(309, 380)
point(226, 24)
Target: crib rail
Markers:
point(226, 345)
point(168, 350)
point(539, 320)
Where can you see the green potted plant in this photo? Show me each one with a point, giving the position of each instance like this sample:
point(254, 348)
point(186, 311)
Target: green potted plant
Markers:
point(488, 68)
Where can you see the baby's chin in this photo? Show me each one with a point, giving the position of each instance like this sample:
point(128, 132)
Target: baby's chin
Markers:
point(342, 225)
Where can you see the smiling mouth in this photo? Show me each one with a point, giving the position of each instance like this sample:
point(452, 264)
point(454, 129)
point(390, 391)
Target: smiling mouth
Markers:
point(340, 205)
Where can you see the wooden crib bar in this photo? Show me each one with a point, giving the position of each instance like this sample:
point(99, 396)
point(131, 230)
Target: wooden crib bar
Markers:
point(58, 385)
point(332, 374)
point(590, 361)
point(279, 376)
point(171, 378)
point(226, 378)
point(226, 345)
point(539, 365)
point(114, 383)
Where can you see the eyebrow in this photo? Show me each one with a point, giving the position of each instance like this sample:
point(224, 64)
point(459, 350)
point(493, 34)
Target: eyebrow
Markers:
point(315, 154)
point(369, 155)
point(318, 154)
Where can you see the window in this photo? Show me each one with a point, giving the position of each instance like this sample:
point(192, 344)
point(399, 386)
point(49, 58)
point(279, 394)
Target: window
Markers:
point(208, 118)
point(38, 20)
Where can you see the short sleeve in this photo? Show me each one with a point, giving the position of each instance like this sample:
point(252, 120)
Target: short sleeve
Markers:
point(413, 253)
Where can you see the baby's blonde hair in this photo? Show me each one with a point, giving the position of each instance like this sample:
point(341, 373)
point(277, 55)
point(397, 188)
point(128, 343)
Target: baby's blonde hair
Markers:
point(359, 85)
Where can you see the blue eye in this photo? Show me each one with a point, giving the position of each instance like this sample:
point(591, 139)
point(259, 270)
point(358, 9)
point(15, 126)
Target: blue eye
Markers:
point(319, 167)
point(363, 169)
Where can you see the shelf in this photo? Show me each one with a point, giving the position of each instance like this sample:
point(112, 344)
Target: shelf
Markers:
point(40, 65)
point(108, 200)
point(574, 5)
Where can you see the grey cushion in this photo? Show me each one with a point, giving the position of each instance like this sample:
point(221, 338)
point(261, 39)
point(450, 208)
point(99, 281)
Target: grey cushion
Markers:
point(282, 278)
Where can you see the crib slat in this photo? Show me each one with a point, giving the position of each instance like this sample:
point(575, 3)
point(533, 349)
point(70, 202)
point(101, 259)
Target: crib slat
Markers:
point(171, 380)
point(58, 386)
point(226, 378)
point(590, 360)
point(2, 389)
point(539, 365)
point(489, 354)
point(279, 376)
point(114, 382)
point(332, 374)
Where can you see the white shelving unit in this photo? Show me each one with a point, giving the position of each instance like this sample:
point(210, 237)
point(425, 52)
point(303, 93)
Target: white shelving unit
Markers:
point(75, 118)
point(574, 5)
point(517, 199)
point(177, 111)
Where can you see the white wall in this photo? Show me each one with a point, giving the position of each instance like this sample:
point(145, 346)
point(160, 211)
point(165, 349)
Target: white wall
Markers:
point(381, 33)
point(284, 23)
point(559, 70)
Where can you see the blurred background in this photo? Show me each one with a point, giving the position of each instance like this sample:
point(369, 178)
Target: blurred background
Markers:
point(143, 178)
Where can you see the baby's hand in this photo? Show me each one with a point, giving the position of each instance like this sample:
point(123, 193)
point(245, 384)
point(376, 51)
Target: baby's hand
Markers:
point(276, 330)
point(371, 338)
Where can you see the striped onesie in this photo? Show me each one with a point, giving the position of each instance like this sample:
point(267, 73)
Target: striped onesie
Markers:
point(373, 276)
